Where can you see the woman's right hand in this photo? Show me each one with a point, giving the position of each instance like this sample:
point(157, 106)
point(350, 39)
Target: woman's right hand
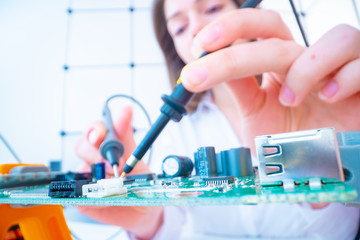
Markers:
point(142, 221)
point(87, 147)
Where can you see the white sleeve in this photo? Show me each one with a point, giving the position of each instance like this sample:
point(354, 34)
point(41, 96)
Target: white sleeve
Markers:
point(336, 221)
point(174, 220)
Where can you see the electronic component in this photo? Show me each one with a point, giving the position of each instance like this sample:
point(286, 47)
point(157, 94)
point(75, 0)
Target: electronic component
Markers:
point(26, 179)
point(104, 188)
point(111, 148)
point(141, 177)
point(219, 180)
point(298, 156)
point(349, 146)
point(236, 162)
point(73, 176)
point(205, 162)
point(97, 171)
point(173, 108)
point(175, 166)
point(29, 169)
point(62, 189)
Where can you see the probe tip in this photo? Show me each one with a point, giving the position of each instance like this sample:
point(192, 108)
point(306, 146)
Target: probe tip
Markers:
point(122, 175)
point(116, 172)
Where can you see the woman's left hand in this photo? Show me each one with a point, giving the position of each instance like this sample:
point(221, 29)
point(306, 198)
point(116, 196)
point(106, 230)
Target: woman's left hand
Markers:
point(302, 88)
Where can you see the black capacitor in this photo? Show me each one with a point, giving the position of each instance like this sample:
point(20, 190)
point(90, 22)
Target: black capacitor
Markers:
point(205, 162)
point(237, 162)
point(177, 166)
point(98, 171)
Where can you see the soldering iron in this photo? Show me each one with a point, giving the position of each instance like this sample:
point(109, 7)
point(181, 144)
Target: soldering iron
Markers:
point(173, 108)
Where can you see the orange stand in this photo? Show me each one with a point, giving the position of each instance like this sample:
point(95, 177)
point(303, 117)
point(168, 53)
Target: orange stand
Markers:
point(35, 222)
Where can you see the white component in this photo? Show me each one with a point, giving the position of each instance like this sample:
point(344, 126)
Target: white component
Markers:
point(104, 188)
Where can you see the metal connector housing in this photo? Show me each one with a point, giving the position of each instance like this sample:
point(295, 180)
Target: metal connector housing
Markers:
point(298, 156)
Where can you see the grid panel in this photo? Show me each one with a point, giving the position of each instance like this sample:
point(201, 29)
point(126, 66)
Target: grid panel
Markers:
point(99, 4)
point(86, 92)
point(145, 47)
point(110, 35)
point(97, 38)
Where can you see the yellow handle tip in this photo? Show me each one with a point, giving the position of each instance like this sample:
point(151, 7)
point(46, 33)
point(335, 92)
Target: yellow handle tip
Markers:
point(178, 81)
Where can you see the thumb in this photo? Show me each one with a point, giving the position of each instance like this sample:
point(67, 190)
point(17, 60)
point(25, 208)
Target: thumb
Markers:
point(122, 125)
point(96, 134)
point(247, 94)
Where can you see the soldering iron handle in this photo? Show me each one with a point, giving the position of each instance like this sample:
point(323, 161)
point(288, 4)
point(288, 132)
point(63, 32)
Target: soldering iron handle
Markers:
point(151, 136)
point(173, 108)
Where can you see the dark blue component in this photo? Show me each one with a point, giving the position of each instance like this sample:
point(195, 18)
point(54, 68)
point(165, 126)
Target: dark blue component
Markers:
point(236, 162)
point(98, 171)
point(205, 162)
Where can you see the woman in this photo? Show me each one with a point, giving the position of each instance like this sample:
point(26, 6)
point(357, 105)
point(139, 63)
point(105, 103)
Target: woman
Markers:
point(238, 109)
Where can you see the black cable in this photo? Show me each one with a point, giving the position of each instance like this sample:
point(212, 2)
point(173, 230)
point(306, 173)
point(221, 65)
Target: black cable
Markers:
point(299, 23)
point(142, 108)
point(7, 145)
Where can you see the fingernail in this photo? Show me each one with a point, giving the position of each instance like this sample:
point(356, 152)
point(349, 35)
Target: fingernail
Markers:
point(93, 136)
point(287, 97)
point(194, 75)
point(209, 35)
point(329, 90)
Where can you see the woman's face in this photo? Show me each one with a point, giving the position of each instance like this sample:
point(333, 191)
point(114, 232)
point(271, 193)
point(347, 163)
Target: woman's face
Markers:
point(185, 18)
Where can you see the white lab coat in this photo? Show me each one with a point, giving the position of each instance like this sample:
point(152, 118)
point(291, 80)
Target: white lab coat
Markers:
point(209, 127)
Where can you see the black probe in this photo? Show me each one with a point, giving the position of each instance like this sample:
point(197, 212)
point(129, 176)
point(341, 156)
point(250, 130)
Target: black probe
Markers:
point(173, 108)
point(111, 148)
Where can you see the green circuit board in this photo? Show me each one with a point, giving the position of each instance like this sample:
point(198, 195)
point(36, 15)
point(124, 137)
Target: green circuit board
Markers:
point(192, 192)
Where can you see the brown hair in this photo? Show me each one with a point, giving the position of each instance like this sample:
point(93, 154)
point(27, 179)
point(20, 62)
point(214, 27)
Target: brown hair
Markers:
point(174, 63)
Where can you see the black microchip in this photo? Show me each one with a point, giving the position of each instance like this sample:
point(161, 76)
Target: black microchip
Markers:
point(128, 181)
point(73, 176)
point(219, 180)
point(62, 189)
point(141, 177)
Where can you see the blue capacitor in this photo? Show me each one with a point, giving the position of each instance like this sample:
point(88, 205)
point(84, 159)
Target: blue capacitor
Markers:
point(205, 162)
point(237, 162)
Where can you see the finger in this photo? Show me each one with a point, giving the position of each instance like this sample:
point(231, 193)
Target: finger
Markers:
point(344, 84)
point(96, 134)
point(242, 23)
point(245, 91)
point(336, 48)
point(122, 124)
point(240, 61)
point(87, 151)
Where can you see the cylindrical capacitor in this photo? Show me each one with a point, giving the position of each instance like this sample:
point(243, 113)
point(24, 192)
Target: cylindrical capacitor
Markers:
point(205, 162)
point(177, 166)
point(97, 171)
point(237, 162)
